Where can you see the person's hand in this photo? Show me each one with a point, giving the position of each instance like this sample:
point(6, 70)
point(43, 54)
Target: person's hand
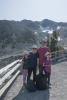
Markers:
point(43, 65)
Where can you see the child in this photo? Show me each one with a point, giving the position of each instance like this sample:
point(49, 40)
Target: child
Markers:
point(25, 66)
point(47, 67)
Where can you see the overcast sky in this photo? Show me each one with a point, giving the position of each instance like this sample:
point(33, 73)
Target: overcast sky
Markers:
point(33, 10)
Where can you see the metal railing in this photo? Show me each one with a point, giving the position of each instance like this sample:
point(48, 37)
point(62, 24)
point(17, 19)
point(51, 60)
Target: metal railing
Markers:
point(59, 55)
point(8, 74)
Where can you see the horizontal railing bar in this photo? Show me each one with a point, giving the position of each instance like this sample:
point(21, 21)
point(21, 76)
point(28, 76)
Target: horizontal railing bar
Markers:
point(57, 52)
point(9, 73)
point(8, 66)
point(8, 83)
point(60, 57)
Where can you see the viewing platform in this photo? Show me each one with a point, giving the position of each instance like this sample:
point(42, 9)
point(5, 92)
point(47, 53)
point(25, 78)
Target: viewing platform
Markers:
point(11, 85)
point(57, 92)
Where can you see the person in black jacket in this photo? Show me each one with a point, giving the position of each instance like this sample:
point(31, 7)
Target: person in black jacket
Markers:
point(33, 56)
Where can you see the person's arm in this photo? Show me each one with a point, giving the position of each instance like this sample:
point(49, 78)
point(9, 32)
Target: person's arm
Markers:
point(45, 65)
point(37, 60)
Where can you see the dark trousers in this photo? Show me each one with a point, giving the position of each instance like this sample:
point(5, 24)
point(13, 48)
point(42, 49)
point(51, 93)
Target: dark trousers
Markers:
point(47, 74)
point(30, 70)
point(41, 69)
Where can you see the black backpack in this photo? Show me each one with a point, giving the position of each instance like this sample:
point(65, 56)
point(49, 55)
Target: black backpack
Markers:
point(31, 87)
point(41, 82)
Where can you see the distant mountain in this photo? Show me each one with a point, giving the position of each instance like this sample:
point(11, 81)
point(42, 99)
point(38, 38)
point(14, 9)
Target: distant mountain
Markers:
point(17, 35)
point(46, 23)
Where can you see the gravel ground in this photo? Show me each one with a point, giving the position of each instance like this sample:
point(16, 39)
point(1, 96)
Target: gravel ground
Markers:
point(57, 92)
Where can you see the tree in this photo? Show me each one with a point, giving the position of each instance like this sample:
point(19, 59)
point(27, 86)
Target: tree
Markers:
point(54, 41)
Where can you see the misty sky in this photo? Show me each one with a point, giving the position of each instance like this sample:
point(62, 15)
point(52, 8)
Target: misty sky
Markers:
point(33, 10)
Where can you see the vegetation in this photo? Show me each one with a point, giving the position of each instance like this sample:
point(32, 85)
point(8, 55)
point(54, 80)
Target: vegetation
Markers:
point(52, 42)
point(14, 34)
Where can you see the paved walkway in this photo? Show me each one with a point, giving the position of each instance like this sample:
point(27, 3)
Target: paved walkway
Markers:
point(57, 92)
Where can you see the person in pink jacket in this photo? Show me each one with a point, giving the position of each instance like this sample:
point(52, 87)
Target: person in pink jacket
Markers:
point(47, 67)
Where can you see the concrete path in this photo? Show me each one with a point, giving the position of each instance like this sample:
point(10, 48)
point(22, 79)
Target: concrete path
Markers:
point(57, 92)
